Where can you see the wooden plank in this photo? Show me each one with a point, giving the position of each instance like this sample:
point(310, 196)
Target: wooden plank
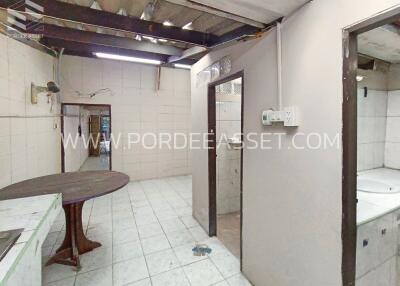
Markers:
point(86, 37)
point(90, 16)
point(83, 49)
point(237, 34)
point(349, 171)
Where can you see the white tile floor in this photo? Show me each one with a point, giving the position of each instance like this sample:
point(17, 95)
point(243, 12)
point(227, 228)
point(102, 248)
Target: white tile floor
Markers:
point(96, 163)
point(148, 232)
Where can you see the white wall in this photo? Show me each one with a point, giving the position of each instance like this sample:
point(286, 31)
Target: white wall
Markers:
point(29, 147)
point(75, 151)
point(392, 147)
point(136, 106)
point(292, 198)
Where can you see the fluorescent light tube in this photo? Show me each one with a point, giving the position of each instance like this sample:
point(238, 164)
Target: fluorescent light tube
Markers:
point(127, 59)
point(188, 26)
point(359, 78)
point(181, 66)
point(168, 23)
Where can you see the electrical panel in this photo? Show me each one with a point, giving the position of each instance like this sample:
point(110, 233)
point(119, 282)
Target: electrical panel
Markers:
point(289, 116)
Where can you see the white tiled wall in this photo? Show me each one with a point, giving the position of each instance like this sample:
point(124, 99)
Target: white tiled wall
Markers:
point(29, 147)
point(228, 122)
point(392, 148)
point(136, 106)
point(75, 157)
point(371, 128)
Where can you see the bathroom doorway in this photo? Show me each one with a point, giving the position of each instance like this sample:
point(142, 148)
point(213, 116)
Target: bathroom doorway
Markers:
point(225, 120)
point(371, 90)
point(86, 130)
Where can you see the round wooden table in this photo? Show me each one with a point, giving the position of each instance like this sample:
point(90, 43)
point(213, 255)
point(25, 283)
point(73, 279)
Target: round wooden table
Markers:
point(76, 188)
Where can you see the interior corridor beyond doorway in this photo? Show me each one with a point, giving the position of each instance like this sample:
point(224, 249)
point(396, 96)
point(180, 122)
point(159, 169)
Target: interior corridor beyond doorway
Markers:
point(89, 127)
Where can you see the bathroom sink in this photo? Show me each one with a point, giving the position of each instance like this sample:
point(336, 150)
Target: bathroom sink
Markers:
point(7, 240)
point(375, 186)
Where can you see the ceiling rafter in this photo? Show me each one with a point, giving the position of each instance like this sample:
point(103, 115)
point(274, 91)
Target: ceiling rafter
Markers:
point(88, 50)
point(83, 31)
point(87, 37)
point(239, 33)
point(90, 16)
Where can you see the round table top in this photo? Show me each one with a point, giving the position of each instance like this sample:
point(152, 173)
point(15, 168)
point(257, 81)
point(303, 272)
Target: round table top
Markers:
point(75, 187)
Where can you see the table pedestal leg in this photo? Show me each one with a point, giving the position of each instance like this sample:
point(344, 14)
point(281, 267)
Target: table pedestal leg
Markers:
point(75, 242)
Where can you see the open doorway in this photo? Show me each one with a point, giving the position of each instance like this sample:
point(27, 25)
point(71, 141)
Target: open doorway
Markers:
point(225, 161)
point(371, 164)
point(86, 130)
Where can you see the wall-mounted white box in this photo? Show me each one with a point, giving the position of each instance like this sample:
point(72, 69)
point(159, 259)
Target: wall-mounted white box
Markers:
point(289, 116)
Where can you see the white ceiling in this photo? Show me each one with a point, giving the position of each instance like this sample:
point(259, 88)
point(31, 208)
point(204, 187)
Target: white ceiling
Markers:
point(382, 43)
point(264, 11)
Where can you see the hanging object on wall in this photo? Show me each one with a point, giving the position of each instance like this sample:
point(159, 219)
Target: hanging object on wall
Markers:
point(158, 82)
point(50, 90)
point(80, 130)
point(90, 95)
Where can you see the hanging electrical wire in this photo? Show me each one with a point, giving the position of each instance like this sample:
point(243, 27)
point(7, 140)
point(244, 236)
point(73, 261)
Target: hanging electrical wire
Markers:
point(93, 94)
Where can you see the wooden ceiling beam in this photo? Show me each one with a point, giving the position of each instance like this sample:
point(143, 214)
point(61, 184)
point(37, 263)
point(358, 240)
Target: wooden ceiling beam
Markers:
point(85, 15)
point(236, 34)
point(86, 37)
point(88, 50)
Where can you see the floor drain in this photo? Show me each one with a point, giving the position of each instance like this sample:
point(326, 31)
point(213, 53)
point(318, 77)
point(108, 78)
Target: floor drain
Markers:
point(201, 250)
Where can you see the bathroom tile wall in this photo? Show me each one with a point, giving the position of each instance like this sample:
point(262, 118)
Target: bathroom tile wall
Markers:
point(29, 147)
point(392, 147)
point(372, 110)
point(228, 122)
point(137, 106)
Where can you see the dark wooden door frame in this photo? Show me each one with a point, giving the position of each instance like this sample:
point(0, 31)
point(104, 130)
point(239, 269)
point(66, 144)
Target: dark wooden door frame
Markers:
point(212, 155)
point(108, 106)
point(349, 140)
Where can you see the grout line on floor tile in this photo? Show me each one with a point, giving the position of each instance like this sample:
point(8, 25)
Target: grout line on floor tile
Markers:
point(140, 240)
